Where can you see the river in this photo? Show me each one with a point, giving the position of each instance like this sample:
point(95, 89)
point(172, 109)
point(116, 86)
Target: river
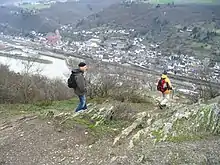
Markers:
point(58, 68)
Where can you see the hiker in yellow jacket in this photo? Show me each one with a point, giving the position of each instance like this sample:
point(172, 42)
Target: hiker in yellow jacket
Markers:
point(165, 87)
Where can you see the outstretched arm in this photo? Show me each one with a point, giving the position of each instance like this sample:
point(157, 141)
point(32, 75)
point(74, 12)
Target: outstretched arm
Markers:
point(169, 85)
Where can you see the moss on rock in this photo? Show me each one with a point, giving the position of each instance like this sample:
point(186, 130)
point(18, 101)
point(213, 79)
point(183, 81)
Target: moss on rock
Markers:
point(190, 123)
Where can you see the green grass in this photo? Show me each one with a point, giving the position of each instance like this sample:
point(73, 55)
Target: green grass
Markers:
point(182, 1)
point(98, 100)
point(200, 46)
point(10, 110)
point(51, 111)
point(218, 32)
point(66, 105)
point(45, 110)
point(157, 134)
point(160, 1)
point(183, 138)
point(35, 6)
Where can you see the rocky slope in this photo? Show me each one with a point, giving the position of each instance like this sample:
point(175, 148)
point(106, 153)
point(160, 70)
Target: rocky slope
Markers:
point(112, 133)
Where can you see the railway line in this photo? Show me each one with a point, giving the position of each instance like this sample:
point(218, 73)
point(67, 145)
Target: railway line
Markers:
point(133, 70)
point(139, 71)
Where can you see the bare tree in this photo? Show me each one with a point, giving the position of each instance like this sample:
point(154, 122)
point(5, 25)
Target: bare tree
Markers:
point(30, 68)
point(71, 62)
point(206, 91)
point(30, 85)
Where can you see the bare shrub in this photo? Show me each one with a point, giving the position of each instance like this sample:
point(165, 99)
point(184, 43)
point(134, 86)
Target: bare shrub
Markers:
point(26, 88)
point(129, 96)
point(100, 85)
point(122, 111)
point(115, 86)
point(105, 81)
point(206, 91)
point(44, 103)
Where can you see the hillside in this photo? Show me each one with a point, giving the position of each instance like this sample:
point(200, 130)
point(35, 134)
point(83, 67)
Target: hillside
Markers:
point(122, 125)
point(110, 132)
point(178, 1)
point(145, 17)
point(12, 21)
point(46, 20)
point(70, 12)
point(178, 28)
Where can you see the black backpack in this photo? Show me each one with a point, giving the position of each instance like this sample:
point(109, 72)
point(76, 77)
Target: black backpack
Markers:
point(72, 81)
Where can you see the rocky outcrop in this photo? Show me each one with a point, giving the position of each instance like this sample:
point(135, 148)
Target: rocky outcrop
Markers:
point(131, 128)
point(186, 123)
point(180, 122)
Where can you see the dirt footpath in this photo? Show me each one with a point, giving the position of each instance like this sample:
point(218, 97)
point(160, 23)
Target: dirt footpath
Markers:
point(31, 141)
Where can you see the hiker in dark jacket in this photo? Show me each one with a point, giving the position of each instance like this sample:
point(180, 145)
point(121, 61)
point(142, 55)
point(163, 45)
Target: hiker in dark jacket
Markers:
point(80, 89)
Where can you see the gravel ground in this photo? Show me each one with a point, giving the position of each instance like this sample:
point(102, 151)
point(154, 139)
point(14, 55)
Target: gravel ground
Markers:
point(32, 141)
